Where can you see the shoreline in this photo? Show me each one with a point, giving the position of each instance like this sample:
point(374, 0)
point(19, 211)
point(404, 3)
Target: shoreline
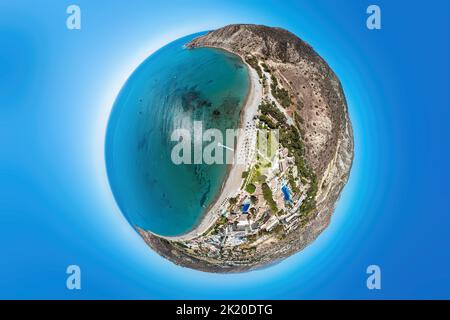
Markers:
point(219, 249)
point(233, 178)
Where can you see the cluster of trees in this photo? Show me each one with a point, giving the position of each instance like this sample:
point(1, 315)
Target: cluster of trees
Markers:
point(291, 139)
point(310, 202)
point(269, 108)
point(268, 121)
point(265, 67)
point(293, 185)
point(298, 119)
point(250, 188)
point(281, 94)
point(253, 62)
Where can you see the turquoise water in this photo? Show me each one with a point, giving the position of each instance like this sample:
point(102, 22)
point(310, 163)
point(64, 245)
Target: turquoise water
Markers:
point(169, 90)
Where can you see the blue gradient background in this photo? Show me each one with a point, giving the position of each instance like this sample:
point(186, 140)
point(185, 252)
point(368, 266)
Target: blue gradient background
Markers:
point(56, 208)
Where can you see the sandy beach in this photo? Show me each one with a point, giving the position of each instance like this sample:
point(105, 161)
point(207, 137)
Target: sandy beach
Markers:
point(233, 180)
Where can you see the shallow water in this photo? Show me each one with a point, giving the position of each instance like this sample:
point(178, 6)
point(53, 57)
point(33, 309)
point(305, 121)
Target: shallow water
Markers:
point(169, 90)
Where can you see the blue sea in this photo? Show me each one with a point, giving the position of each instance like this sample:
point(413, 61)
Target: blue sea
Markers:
point(170, 90)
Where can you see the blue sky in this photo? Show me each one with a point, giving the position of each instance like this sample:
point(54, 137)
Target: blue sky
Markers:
point(56, 91)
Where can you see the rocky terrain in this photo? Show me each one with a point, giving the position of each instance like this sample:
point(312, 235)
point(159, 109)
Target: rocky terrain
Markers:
point(309, 94)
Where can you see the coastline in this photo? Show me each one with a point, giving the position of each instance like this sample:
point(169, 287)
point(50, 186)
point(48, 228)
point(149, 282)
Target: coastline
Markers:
point(214, 246)
point(233, 179)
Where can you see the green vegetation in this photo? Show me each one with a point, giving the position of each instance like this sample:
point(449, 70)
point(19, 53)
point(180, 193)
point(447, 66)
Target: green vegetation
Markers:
point(252, 172)
point(261, 178)
point(233, 201)
point(271, 109)
point(267, 121)
point(253, 199)
point(279, 232)
point(310, 203)
point(298, 120)
point(281, 94)
point(265, 67)
point(250, 188)
point(253, 62)
point(291, 139)
point(281, 213)
point(268, 196)
point(245, 174)
point(268, 149)
point(255, 175)
point(222, 220)
point(252, 238)
point(293, 185)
